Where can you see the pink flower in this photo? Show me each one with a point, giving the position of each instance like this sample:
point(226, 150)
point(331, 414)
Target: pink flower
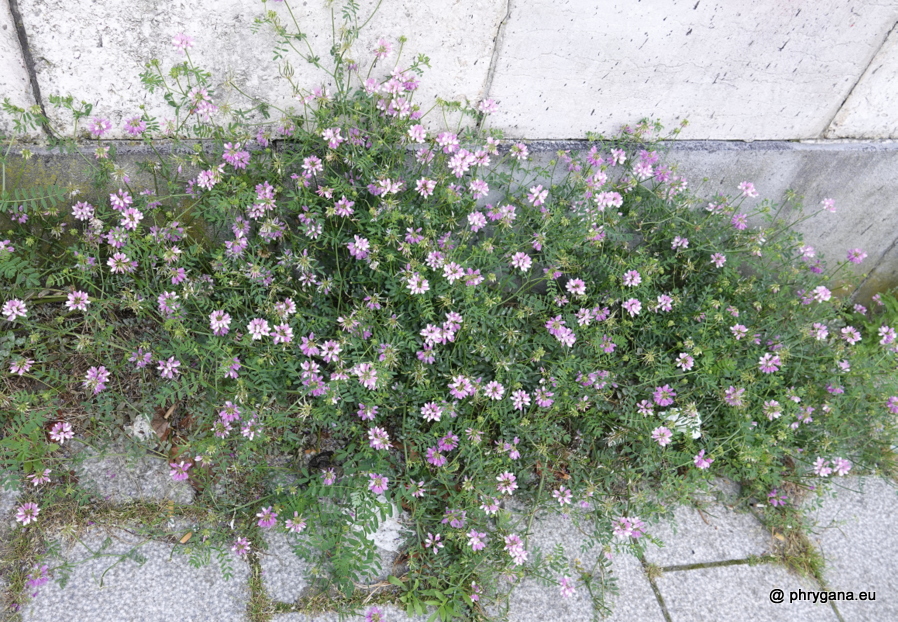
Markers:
point(383, 49)
point(679, 242)
point(295, 524)
point(241, 546)
point(821, 467)
point(822, 294)
point(169, 369)
point(267, 518)
point(829, 205)
point(748, 189)
point(733, 396)
point(537, 195)
point(685, 362)
point(633, 307)
point(258, 328)
point(521, 261)
point(562, 495)
point(520, 399)
point(433, 541)
point(179, 470)
point(507, 483)
point(417, 284)
point(740, 221)
point(219, 322)
point(850, 334)
point(739, 331)
point(27, 513)
point(664, 396)
point(61, 432)
point(99, 126)
point(662, 436)
point(632, 278)
point(182, 42)
point(378, 483)
point(14, 308)
point(77, 301)
point(628, 527)
point(567, 587)
point(21, 367)
point(702, 462)
point(769, 363)
point(856, 255)
point(96, 379)
point(718, 259)
point(476, 540)
point(40, 478)
point(819, 331)
point(378, 438)
point(576, 286)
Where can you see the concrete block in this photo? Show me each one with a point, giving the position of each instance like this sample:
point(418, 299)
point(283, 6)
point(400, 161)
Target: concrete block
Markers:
point(738, 593)
point(152, 585)
point(858, 547)
point(762, 70)
point(715, 533)
point(96, 51)
point(14, 82)
point(119, 477)
point(858, 176)
point(869, 112)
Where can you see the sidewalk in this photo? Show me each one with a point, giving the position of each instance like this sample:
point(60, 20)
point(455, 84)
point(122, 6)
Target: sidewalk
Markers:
point(712, 567)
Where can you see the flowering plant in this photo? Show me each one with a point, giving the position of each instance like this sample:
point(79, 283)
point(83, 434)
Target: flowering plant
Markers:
point(442, 323)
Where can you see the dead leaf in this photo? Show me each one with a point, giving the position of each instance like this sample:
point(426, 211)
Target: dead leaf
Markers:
point(779, 537)
point(186, 537)
point(160, 426)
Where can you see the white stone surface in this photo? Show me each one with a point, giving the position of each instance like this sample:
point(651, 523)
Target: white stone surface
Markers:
point(869, 112)
point(14, 82)
point(134, 579)
point(96, 50)
point(737, 70)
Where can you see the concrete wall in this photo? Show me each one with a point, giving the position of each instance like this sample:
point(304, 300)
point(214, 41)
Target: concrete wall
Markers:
point(822, 72)
point(760, 70)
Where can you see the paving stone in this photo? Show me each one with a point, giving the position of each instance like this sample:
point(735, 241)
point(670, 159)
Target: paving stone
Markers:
point(14, 82)
point(740, 592)
point(860, 549)
point(119, 476)
point(8, 499)
point(285, 575)
point(716, 533)
point(163, 587)
point(532, 601)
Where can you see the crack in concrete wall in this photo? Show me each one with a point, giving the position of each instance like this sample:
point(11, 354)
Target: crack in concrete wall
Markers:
point(494, 59)
point(19, 26)
point(828, 128)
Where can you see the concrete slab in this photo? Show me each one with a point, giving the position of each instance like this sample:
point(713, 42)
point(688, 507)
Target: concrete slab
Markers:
point(119, 476)
point(715, 533)
point(531, 601)
point(14, 81)
point(859, 547)
point(856, 176)
point(763, 70)
point(96, 51)
point(160, 586)
point(869, 111)
point(738, 593)
point(8, 499)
